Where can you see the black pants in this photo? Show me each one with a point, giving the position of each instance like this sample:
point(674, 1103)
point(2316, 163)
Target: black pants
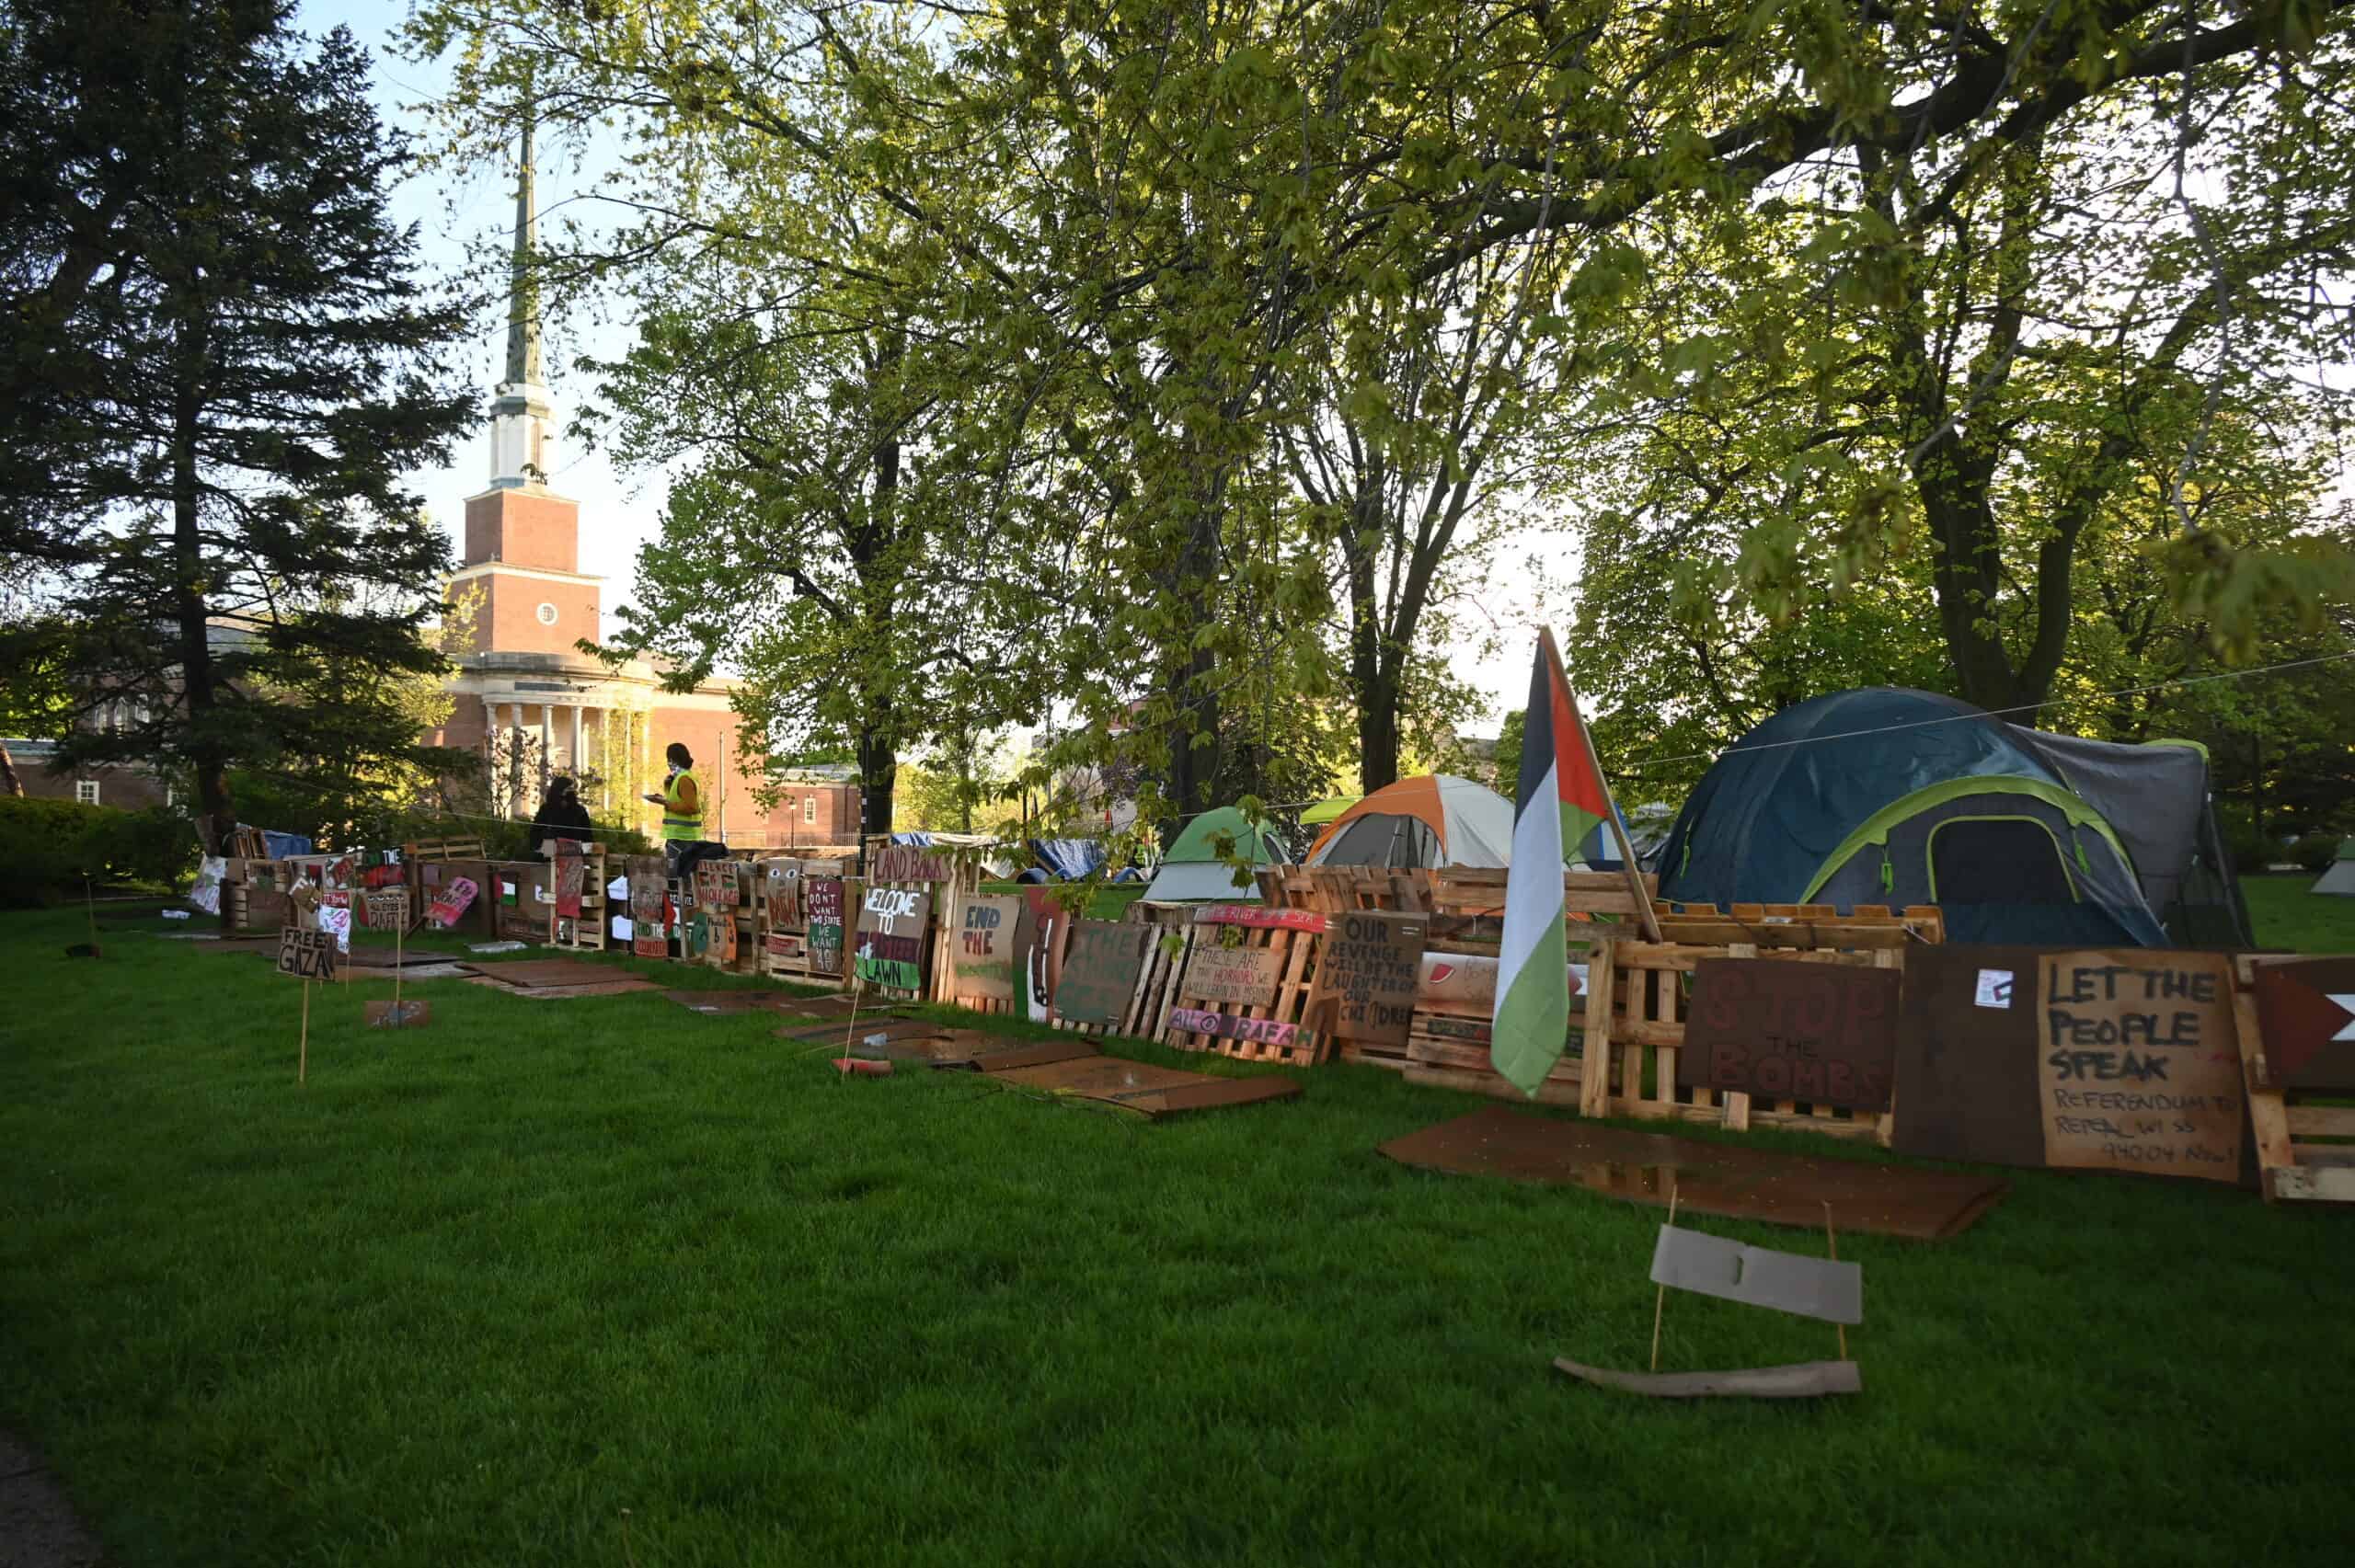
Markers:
point(681, 856)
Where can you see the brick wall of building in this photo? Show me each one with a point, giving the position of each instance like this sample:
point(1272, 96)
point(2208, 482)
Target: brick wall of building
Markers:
point(524, 528)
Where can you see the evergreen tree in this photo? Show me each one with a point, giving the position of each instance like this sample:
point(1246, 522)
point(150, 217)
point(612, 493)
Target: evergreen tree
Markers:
point(261, 370)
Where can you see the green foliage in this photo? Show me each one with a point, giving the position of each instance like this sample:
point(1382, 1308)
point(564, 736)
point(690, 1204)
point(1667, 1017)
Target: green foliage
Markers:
point(2316, 852)
point(48, 847)
point(233, 560)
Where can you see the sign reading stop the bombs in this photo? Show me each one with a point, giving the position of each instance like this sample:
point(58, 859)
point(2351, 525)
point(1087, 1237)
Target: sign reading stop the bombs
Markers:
point(1825, 1033)
point(893, 922)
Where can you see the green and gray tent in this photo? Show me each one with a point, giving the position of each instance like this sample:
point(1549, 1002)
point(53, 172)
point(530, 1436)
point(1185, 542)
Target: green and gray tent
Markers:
point(1192, 869)
point(1893, 796)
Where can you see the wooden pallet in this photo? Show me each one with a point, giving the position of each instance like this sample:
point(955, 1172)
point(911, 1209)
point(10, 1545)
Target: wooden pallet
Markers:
point(1300, 1045)
point(2291, 1165)
point(1629, 1056)
point(444, 849)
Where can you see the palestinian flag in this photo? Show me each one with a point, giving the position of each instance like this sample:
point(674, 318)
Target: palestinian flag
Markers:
point(1559, 800)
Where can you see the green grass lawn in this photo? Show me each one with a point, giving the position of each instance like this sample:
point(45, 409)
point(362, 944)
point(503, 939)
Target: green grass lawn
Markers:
point(607, 1282)
point(2285, 915)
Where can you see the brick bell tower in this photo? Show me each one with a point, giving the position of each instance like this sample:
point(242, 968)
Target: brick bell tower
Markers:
point(523, 540)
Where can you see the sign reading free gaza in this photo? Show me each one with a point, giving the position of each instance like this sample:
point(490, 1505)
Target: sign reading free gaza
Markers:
point(893, 922)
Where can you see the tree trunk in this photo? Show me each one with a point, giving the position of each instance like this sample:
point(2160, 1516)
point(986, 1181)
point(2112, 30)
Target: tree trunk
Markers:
point(16, 786)
point(879, 767)
point(216, 815)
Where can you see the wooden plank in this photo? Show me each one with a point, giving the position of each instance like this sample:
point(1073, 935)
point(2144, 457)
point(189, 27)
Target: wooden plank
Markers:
point(1805, 1379)
point(2268, 1119)
point(2322, 1121)
point(1594, 1050)
point(2310, 1183)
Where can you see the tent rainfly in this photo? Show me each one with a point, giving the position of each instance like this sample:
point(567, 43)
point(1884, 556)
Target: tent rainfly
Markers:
point(1192, 869)
point(2340, 877)
point(1432, 820)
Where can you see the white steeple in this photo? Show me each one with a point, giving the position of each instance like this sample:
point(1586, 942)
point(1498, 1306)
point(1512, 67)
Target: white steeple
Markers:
point(521, 452)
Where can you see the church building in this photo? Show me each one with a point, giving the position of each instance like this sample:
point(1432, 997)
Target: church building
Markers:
point(531, 703)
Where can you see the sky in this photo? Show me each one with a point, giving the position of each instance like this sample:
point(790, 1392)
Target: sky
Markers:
point(621, 512)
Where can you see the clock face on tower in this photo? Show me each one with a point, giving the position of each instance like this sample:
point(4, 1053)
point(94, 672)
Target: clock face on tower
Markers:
point(547, 614)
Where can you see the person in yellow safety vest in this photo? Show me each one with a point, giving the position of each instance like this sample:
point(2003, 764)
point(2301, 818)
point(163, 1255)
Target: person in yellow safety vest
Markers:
point(681, 805)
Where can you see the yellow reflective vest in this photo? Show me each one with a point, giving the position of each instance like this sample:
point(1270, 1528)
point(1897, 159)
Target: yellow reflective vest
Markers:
point(680, 821)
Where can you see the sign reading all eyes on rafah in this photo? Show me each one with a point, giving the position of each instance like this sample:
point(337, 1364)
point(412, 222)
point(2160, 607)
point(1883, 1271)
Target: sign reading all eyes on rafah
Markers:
point(982, 955)
point(888, 947)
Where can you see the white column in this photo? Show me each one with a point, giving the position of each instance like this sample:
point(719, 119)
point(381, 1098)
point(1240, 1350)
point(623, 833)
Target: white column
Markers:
point(576, 741)
point(547, 738)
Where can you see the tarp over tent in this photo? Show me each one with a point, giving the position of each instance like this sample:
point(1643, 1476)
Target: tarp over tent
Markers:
point(1431, 819)
point(1893, 796)
point(1192, 869)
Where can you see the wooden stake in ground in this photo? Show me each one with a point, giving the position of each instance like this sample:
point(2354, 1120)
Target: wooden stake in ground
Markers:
point(303, 1059)
point(1833, 1243)
point(1660, 1301)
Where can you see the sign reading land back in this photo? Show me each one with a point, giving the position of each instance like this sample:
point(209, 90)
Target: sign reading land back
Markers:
point(1825, 1033)
point(891, 926)
point(1367, 970)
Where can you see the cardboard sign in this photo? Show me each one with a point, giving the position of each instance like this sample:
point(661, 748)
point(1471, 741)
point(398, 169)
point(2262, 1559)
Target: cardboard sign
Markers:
point(572, 874)
point(525, 902)
point(408, 1013)
point(1260, 917)
point(2121, 1061)
point(335, 917)
point(1100, 972)
point(2307, 1014)
point(1369, 968)
point(1824, 1034)
point(821, 903)
point(892, 924)
point(2140, 1067)
point(1227, 1026)
point(1824, 1288)
point(982, 953)
point(907, 862)
point(452, 902)
point(1037, 947)
point(649, 917)
point(781, 892)
point(306, 954)
point(388, 908)
point(1457, 982)
point(1246, 977)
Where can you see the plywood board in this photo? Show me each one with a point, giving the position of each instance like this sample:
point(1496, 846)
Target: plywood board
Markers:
point(1732, 1180)
point(1824, 1034)
point(1142, 1087)
point(2306, 1010)
point(1100, 972)
point(888, 948)
point(982, 949)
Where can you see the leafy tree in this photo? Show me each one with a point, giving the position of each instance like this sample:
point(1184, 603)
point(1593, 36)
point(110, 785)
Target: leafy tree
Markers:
point(268, 374)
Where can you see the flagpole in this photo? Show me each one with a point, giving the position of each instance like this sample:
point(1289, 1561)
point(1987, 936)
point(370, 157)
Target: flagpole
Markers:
point(1646, 916)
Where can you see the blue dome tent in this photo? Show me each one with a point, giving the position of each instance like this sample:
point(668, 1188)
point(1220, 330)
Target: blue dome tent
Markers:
point(1894, 796)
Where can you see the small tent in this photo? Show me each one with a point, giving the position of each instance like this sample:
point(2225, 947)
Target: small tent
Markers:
point(2340, 877)
point(1892, 797)
point(1432, 820)
point(1192, 868)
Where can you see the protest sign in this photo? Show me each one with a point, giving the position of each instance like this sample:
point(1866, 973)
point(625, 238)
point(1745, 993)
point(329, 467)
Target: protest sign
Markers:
point(1368, 970)
point(1246, 977)
point(1100, 972)
point(1780, 1029)
point(907, 862)
point(452, 902)
point(892, 924)
point(306, 954)
point(649, 911)
point(821, 905)
point(982, 957)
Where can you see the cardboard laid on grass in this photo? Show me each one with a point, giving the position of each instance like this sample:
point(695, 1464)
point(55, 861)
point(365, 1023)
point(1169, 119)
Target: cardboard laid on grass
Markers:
point(1732, 1180)
point(740, 1001)
point(549, 978)
point(1138, 1086)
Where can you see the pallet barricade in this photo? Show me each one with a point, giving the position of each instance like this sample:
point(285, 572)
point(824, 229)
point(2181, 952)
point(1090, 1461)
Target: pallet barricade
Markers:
point(1243, 984)
point(2292, 1124)
point(1447, 1046)
point(1147, 1012)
